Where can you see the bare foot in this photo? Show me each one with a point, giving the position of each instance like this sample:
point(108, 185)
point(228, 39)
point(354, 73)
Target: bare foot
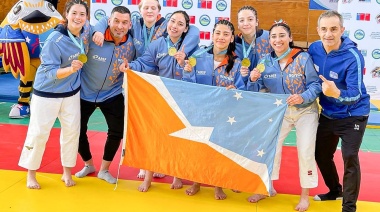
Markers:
point(144, 187)
point(68, 181)
point(141, 174)
point(31, 181)
point(219, 194)
point(256, 197)
point(158, 175)
point(236, 191)
point(272, 192)
point(193, 189)
point(303, 204)
point(177, 183)
point(67, 178)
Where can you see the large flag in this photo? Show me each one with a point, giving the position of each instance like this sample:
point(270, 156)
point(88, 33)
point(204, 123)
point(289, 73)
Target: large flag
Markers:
point(206, 134)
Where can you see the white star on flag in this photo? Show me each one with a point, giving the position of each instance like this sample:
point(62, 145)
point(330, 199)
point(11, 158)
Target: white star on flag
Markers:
point(231, 119)
point(260, 153)
point(27, 39)
point(238, 95)
point(278, 102)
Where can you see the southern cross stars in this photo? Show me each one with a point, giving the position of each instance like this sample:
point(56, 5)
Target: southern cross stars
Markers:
point(231, 120)
point(238, 95)
point(278, 102)
point(260, 153)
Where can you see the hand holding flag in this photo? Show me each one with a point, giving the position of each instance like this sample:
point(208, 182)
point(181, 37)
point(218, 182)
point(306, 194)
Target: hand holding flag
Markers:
point(124, 66)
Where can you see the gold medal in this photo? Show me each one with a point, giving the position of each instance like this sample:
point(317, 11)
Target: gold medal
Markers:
point(260, 67)
point(192, 61)
point(82, 58)
point(172, 51)
point(246, 62)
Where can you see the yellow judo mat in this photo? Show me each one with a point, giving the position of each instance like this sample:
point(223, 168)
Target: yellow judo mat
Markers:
point(93, 194)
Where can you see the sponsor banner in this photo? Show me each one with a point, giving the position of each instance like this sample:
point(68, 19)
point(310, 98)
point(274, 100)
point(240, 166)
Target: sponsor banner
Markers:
point(324, 4)
point(203, 13)
point(362, 23)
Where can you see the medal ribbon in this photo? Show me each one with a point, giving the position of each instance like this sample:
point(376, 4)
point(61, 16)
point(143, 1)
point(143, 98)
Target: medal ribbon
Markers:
point(197, 53)
point(146, 39)
point(168, 41)
point(246, 52)
point(76, 42)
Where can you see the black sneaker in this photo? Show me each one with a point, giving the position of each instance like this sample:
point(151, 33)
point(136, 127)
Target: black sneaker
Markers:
point(328, 196)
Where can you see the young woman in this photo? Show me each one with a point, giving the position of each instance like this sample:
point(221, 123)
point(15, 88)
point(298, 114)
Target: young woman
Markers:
point(289, 70)
point(252, 43)
point(219, 67)
point(56, 93)
point(171, 57)
point(145, 30)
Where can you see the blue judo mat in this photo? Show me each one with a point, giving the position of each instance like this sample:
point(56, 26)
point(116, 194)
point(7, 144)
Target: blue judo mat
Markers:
point(8, 88)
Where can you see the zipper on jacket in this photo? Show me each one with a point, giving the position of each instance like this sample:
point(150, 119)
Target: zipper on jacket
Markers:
point(105, 78)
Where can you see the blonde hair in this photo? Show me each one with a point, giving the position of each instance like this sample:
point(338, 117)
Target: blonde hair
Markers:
point(158, 4)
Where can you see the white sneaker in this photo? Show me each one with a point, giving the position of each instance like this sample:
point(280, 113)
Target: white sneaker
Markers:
point(19, 111)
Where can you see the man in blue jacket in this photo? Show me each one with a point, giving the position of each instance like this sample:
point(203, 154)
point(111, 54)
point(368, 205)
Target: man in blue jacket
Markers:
point(101, 86)
point(345, 108)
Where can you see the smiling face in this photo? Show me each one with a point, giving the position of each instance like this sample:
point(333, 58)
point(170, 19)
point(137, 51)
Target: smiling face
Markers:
point(222, 37)
point(76, 18)
point(149, 11)
point(247, 22)
point(119, 24)
point(330, 30)
point(176, 26)
point(279, 39)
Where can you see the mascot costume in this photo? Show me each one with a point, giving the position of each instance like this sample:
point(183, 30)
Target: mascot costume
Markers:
point(22, 34)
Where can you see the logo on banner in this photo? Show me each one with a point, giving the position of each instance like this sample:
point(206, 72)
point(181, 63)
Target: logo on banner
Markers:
point(376, 72)
point(205, 4)
point(167, 16)
point(346, 16)
point(378, 18)
point(378, 1)
point(363, 16)
point(187, 4)
point(359, 34)
point(204, 20)
point(346, 1)
point(369, 1)
point(135, 15)
point(170, 3)
point(117, 2)
point(99, 1)
point(376, 53)
point(221, 5)
point(192, 19)
point(221, 18)
point(203, 35)
point(99, 14)
point(363, 52)
point(133, 2)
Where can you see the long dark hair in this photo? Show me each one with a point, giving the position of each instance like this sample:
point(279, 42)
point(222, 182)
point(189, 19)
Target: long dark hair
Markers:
point(231, 46)
point(187, 22)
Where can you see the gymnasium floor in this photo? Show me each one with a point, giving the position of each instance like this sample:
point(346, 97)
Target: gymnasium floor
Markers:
point(92, 194)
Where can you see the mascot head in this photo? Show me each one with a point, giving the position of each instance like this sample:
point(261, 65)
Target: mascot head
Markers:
point(33, 16)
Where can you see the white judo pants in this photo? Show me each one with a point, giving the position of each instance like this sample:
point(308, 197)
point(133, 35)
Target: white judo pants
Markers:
point(305, 120)
point(44, 112)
